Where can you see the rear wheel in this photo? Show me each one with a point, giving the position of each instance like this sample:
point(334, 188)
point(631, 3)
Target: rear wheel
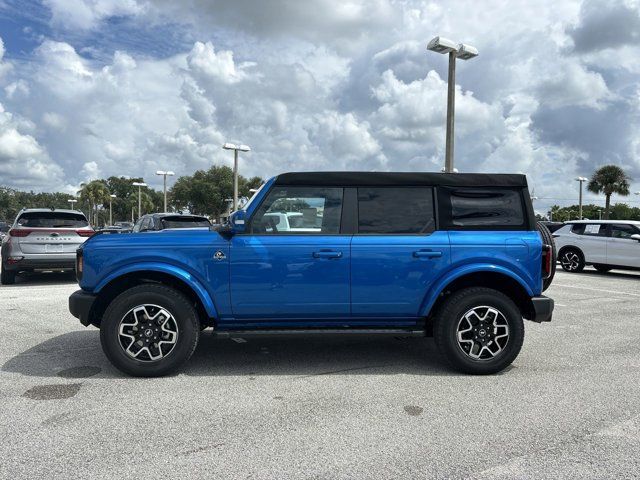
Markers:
point(479, 331)
point(149, 330)
point(602, 268)
point(7, 277)
point(572, 260)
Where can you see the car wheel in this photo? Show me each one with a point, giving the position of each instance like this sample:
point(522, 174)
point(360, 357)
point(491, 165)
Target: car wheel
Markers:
point(149, 330)
point(7, 277)
point(479, 331)
point(572, 260)
point(602, 268)
point(547, 239)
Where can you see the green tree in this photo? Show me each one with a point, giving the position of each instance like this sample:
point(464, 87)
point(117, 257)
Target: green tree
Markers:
point(94, 194)
point(609, 179)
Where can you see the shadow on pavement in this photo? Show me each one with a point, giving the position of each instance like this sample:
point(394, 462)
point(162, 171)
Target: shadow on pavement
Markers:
point(250, 355)
point(623, 274)
point(43, 278)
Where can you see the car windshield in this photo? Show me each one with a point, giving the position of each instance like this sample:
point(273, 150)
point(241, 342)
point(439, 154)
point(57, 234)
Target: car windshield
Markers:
point(52, 220)
point(185, 222)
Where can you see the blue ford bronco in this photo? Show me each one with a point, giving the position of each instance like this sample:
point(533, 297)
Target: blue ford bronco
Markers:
point(455, 256)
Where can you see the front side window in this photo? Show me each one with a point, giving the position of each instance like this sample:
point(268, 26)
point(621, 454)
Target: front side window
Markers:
point(299, 210)
point(390, 210)
point(486, 207)
point(623, 230)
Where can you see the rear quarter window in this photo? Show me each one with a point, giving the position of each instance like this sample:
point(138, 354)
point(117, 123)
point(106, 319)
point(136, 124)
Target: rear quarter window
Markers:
point(483, 208)
point(589, 229)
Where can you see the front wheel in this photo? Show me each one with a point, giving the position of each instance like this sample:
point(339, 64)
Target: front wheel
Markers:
point(479, 331)
point(149, 330)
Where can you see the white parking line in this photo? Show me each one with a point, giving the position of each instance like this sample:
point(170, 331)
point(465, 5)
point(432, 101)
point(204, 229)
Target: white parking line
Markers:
point(598, 290)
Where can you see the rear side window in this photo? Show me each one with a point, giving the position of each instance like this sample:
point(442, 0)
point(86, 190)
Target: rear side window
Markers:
point(52, 220)
point(470, 208)
point(589, 229)
point(184, 222)
point(387, 210)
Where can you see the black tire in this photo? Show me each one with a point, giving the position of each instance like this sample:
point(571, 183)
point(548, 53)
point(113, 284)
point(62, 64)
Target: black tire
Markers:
point(602, 268)
point(8, 277)
point(451, 313)
point(547, 239)
point(176, 304)
point(571, 260)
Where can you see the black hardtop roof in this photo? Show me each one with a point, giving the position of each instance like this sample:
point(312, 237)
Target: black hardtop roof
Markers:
point(169, 214)
point(376, 179)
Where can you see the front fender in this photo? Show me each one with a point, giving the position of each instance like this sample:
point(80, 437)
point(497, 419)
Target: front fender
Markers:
point(168, 269)
point(442, 282)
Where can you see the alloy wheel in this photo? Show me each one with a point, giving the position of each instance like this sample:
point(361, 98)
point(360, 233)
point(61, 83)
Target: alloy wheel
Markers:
point(482, 333)
point(570, 261)
point(148, 333)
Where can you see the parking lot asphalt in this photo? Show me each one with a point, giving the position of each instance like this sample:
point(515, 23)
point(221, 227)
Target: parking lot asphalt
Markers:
point(325, 407)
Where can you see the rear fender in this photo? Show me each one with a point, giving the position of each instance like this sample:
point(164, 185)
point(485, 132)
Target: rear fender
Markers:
point(432, 295)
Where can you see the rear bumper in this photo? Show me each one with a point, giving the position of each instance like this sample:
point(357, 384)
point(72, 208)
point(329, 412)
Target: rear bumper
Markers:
point(80, 305)
point(42, 262)
point(543, 308)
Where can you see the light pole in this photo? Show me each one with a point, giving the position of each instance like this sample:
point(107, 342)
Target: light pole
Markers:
point(581, 180)
point(139, 185)
point(72, 201)
point(599, 214)
point(164, 174)
point(236, 149)
point(463, 52)
point(111, 197)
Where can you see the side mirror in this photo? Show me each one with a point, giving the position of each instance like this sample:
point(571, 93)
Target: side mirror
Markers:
point(235, 224)
point(636, 236)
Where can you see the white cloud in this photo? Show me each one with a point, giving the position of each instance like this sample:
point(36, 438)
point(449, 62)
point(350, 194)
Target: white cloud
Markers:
point(87, 14)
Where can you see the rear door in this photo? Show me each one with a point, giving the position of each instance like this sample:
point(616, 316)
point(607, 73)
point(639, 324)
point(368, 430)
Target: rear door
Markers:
point(621, 248)
point(396, 254)
point(51, 232)
point(592, 239)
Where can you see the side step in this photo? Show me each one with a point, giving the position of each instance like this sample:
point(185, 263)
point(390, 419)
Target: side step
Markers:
point(322, 331)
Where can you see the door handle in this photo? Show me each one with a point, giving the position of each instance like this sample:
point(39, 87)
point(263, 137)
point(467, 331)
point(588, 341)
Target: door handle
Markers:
point(327, 254)
point(426, 254)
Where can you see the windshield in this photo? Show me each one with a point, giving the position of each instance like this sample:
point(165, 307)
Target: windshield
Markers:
point(52, 220)
point(245, 207)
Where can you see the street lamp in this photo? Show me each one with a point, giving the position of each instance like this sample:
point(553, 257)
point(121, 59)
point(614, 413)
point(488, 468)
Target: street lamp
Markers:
point(463, 52)
point(164, 174)
point(236, 149)
point(581, 180)
point(599, 214)
point(111, 197)
point(139, 185)
point(72, 201)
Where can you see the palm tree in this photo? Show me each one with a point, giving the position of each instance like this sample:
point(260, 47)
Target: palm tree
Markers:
point(608, 180)
point(93, 193)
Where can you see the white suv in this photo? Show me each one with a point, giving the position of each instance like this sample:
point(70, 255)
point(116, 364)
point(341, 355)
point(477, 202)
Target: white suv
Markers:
point(605, 244)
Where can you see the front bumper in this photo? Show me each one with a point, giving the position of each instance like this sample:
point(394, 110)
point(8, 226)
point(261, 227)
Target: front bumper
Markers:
point(543, 308)
point(80, 305)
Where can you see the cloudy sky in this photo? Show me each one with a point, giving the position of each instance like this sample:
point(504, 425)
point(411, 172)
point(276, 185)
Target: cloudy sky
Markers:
point(92, 88)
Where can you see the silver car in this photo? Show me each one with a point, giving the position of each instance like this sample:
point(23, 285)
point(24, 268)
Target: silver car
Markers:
point(43, 239)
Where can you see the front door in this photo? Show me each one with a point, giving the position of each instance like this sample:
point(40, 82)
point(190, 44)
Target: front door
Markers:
point(294, 263)
point(396, 254)
point(621, 248)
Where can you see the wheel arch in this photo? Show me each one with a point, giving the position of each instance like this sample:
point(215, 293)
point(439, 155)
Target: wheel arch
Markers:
point(498, 279)
point(571, 247)
point(124, 279)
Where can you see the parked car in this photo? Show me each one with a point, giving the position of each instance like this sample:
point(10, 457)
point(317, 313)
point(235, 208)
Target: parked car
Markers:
point(125, 227)
point(43, 239)
point(604, 244)
point(163, 221)
point(458, 256)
